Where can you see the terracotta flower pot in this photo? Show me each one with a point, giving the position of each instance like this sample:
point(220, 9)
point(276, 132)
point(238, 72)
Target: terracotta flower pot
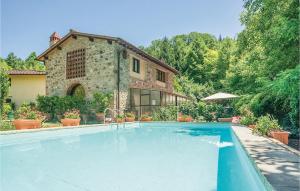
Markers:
point(146, 119)
point(70, 122)
point(180, 119)
point(188, 119)
point(119, 120)
point(27, 124)
point(236, 119)
point(282, 136)
point(129, 119)
point(229, 119)
point(100, 116)
point(251, 126)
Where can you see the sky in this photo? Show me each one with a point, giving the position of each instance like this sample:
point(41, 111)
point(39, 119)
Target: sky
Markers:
point(27, 24)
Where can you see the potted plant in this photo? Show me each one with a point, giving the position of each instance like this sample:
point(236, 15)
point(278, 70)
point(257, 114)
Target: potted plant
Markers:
point(100, 102)
point(146, 117)
point(267, 125)
point(188, 118)
point(129, 117)
point(71, 118)
point(120, 118)
point(184, 118)
point(28, 118)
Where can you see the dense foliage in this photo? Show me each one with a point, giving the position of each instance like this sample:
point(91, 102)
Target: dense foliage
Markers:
point(55, 105)
point(266, 124)
point(261, 65)
point(4, 84)
point(30, 63)
point(101, 101)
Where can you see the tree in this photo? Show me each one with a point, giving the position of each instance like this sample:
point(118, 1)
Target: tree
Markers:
point(14, 62)
point(30, 63)
point(4, 83)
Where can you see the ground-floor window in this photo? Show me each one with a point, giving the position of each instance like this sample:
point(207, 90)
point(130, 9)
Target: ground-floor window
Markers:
point(145, 100)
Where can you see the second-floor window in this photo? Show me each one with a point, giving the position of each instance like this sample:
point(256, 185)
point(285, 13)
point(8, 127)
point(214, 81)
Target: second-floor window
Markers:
point(160, 76)
point(136, 65)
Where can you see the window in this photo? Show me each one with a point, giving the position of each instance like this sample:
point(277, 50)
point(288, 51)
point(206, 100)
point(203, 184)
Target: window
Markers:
point(75, 64)
point(155, 98)
point(136, 65)
point(160, 76)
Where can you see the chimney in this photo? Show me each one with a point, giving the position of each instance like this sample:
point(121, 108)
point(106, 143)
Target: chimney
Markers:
point(54, 38)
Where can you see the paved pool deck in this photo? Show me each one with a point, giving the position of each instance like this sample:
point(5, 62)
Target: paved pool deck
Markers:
point(279, 163)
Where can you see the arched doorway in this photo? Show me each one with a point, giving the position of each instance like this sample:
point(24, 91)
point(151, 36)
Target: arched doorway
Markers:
point(76, 90)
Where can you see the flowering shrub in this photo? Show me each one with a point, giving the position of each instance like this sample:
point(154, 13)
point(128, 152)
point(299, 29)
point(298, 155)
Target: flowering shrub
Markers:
point(27, 112)
point(72, 114)
point(265, 125)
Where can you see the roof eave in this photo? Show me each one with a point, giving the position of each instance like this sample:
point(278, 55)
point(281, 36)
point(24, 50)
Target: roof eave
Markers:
point(118, 40)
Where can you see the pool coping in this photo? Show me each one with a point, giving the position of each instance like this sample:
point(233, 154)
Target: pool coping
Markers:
point(8, 132)
point(261, 153)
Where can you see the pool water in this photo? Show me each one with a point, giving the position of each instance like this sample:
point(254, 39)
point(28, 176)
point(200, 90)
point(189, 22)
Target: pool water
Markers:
point(147, 157)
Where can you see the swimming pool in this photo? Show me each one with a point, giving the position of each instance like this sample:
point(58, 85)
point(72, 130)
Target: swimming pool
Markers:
point(151, 157)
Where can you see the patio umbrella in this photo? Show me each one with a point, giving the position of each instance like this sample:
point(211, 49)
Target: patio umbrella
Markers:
point(219, 96)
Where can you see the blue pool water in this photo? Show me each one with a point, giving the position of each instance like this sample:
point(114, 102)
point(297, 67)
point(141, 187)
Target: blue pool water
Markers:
point(152, 157)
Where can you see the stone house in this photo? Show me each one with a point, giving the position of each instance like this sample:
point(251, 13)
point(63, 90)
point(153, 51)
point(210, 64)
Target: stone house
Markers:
point(97, 63)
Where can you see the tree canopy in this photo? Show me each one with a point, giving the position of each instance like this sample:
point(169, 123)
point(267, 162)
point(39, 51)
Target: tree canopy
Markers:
point(261, 65)
point(30, 63)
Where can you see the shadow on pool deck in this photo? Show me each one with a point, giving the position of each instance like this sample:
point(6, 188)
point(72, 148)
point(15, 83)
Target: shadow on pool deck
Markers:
point(277, 164)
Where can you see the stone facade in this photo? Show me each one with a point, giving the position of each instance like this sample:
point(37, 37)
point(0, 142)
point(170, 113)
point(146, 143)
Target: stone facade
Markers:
point(101, 70)
point(100, 67)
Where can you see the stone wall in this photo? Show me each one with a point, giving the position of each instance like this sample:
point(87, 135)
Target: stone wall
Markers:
point(100, 67)
point(149, 81)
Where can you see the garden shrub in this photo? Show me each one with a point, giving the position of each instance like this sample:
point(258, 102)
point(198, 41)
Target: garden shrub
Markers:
point(265, 125)
point(48, 104)
point(58, 105)
point(6, 126)
point(6, 110)
point(189, 108)
point(101, 101)
point(248, 117)
point(167, 113)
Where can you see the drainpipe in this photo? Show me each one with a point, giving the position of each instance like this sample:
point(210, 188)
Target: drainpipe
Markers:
point(118, 80)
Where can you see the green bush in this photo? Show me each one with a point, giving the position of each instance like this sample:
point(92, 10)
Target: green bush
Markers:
point(265, 125)
point(101, 101)
point(58, 105)
point(189, 108)
point(6, 110)
point(48, 104)
point(167, 113)
point(6, 126)
point(248, 120)
point(248, 117)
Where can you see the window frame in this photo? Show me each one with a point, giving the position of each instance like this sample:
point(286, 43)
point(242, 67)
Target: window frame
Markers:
point(136, 65)
point(160, 75)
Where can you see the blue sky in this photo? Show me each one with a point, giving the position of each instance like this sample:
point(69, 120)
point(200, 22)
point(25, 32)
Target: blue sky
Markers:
point(27, 24)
